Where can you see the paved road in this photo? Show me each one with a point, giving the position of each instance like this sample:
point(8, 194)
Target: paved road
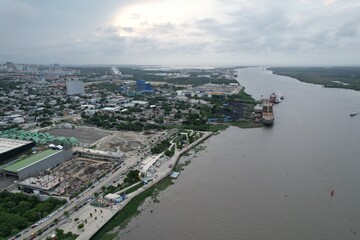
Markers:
point(164, 172)
point(82, 199)
point(78, 202)
point(70, 207)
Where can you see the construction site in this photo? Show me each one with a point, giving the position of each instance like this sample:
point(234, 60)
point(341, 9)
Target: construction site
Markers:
point(108, 141)
point(67, 172)
point(96, 155)
point(127, 142)
point(69, 178)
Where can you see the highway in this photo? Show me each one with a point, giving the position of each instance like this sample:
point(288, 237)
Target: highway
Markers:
point(73, 204)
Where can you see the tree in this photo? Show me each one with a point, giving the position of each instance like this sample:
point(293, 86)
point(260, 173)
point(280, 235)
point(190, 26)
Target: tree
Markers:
point(66, 213)
point(80, 226)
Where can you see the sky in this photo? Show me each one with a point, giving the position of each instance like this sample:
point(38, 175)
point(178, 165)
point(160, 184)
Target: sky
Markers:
point(181, 32)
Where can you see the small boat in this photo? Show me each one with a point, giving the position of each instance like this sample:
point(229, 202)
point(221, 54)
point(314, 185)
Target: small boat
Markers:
point(353, 114)
point(277, 101)
point(282, 97)
point(332, 193)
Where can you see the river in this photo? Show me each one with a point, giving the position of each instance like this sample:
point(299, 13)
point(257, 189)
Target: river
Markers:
point(269, 183)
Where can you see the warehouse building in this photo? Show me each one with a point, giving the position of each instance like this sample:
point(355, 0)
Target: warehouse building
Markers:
point(12, 147)
point(37, 137)
point(99, 155)
point(34, 165)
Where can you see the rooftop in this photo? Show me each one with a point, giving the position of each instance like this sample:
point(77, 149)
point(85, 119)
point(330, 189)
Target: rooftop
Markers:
point(45, 183)
point(15, 167)
point(7, 144)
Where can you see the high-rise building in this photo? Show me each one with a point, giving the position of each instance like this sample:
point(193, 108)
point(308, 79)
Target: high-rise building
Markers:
point(140, 85)
point(148, 87)
point(74, 87)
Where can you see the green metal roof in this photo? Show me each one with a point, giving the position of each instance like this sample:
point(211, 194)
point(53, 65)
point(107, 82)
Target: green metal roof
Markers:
point(73, 140)
point(38, 137)
point(30, 160)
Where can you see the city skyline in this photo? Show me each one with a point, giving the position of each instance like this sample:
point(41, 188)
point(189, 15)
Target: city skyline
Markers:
point(158, 32)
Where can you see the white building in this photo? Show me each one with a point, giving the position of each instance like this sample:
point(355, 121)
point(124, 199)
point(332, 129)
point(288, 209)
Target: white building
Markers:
point(75, 86)
point(18, 120)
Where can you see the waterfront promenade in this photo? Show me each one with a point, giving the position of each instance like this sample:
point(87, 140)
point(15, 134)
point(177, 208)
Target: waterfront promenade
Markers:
point(103, 215)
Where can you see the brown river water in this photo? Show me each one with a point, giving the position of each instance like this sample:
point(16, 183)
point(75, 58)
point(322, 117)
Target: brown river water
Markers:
point(269, 183)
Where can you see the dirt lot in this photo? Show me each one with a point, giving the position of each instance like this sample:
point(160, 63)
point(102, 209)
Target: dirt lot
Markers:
point(127, 142)
point(84, 135)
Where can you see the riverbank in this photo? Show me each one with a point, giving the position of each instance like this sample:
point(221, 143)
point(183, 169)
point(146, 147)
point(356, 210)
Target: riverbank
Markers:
point(129, 208)
point(247, 124)
point(274, 183)
point(335, 77)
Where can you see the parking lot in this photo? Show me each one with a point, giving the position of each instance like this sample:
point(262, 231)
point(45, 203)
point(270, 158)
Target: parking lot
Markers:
point(84, 135)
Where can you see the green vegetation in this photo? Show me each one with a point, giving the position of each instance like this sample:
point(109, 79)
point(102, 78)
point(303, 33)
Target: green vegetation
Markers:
point(180, 165)
point(60, 235)
point(18, 211)
point(242, 96)
point(108, 86)
point(122, 218)
point(134, 188)
point(46, 124)
point(107, 122)
point(217, 127)
point(202, 127)
point(10, 84)
point(131, 178)
point(170, 152)
point(196, 81)
point(194, 119)
point(246, 124)
point(161, 147)
point(334, 77)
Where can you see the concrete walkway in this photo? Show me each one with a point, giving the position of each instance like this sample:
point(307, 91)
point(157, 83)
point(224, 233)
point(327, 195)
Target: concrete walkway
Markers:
point(93, 226)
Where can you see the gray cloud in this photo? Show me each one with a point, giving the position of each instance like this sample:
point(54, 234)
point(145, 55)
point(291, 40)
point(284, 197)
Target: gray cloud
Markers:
point(67, 32)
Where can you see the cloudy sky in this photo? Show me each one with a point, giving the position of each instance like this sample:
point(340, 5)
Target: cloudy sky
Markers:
point(184, 32)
